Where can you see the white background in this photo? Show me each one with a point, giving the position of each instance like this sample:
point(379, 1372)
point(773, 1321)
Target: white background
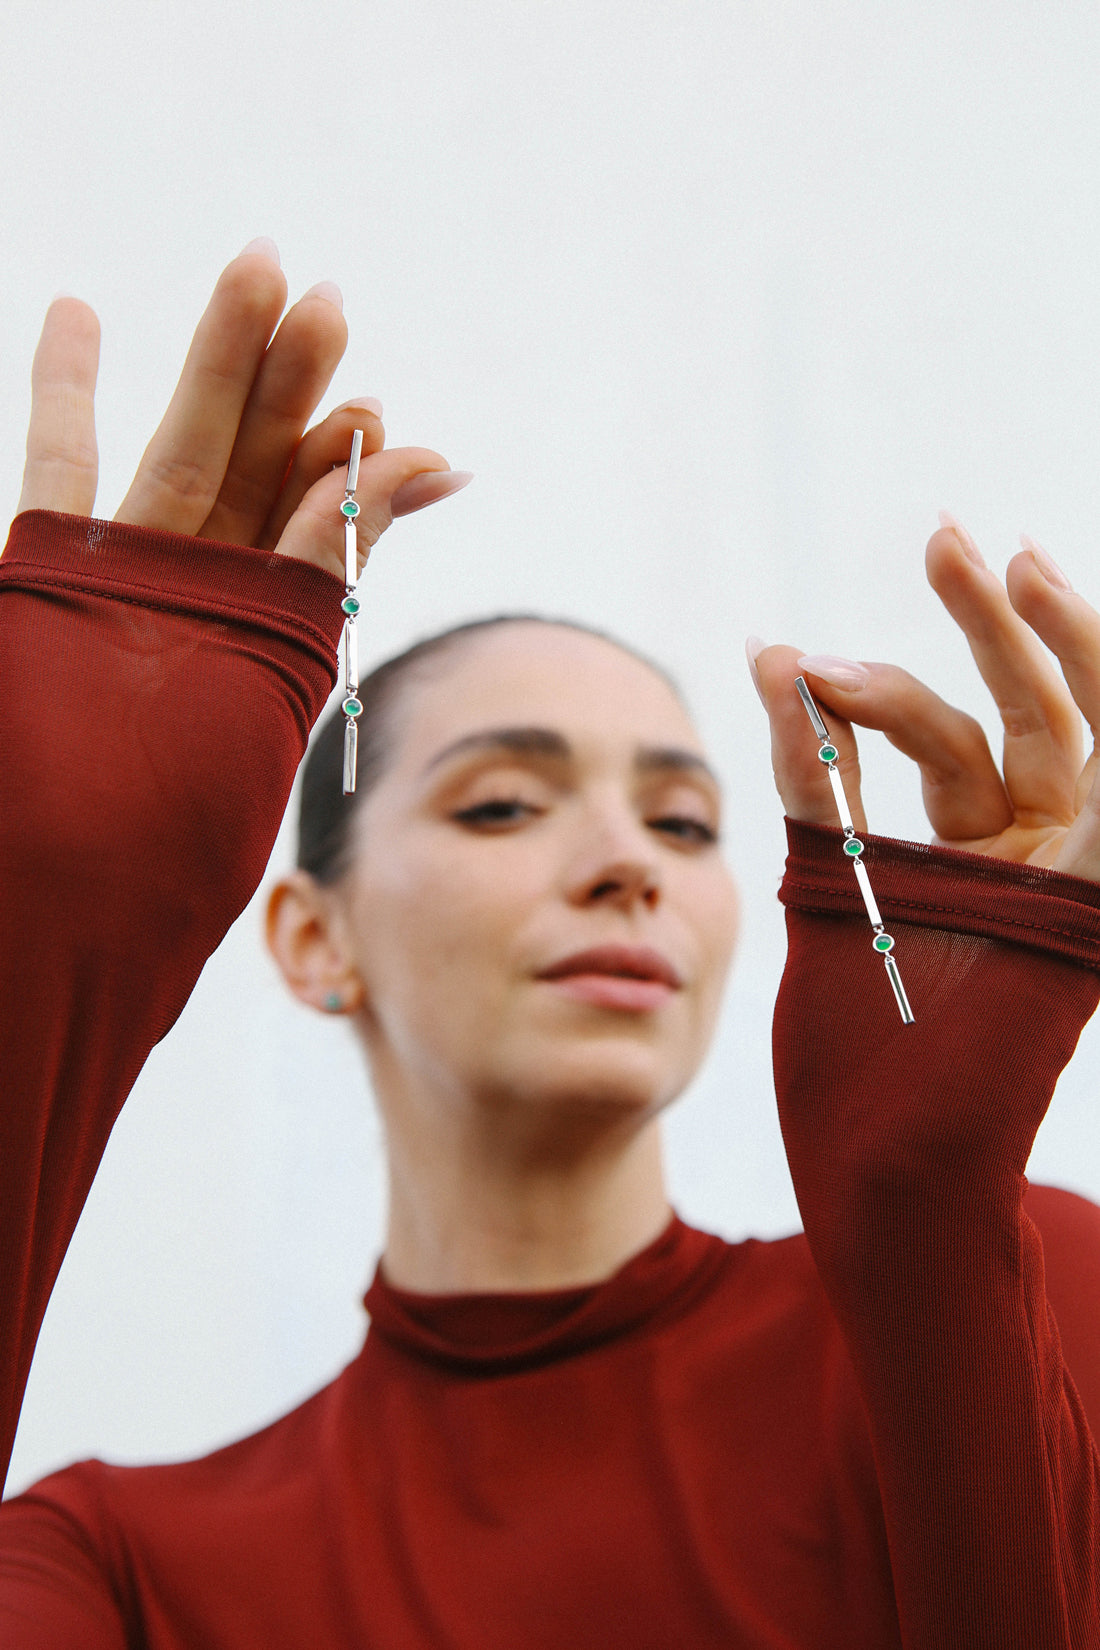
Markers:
point(721, 302)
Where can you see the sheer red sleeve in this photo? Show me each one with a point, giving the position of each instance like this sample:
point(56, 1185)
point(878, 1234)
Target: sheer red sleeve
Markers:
point(156, 695)
point(907, 1146)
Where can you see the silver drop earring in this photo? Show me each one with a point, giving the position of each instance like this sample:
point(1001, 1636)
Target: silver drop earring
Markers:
point(853, 847)
point(353, 705)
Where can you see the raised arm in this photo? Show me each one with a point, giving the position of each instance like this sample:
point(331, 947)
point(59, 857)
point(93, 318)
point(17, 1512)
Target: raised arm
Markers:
point(158, 679)
point(908, 1143)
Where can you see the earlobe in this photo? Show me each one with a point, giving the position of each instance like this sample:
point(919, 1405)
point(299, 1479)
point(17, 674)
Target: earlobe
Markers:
point(305, 942)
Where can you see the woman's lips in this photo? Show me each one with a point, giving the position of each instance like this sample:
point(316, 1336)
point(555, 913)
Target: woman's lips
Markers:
point(631, 978)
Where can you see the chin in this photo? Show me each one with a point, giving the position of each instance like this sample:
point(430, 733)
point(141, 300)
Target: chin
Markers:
point(624, 1082)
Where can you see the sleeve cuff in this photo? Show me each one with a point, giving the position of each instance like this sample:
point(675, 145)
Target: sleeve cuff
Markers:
point(174, 573)
point(945, 888)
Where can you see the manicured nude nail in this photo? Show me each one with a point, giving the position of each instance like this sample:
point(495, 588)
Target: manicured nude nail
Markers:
point(263, 246)
point(754, 646)
point(365, 403)
point(1047, 565)
point(428, 488)
point(329, 291)
point(960, 532)
point(841, 673)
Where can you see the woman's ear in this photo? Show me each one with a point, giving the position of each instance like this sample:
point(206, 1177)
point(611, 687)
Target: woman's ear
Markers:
point(306, 942)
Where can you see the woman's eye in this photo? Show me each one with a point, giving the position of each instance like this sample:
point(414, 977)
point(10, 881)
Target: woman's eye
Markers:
point(497, 811)
point(687, 829)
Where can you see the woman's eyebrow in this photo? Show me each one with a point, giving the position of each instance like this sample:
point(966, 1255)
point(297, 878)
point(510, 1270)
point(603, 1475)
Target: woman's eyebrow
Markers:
point(547, 742)
point(515, 741)
point(672, 759)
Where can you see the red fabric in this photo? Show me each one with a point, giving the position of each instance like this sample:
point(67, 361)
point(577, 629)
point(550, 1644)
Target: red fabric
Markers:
point(864, 1436)
point(130, 838)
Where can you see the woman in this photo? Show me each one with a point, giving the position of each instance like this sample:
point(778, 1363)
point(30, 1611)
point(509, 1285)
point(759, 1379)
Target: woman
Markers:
point(574, 1420)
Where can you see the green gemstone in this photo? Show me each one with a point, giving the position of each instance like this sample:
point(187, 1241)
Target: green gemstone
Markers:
point(884, 942)
point(853, 846)
point(349, 508)
point(351, 606)
point(828, 753)
point(353, 706)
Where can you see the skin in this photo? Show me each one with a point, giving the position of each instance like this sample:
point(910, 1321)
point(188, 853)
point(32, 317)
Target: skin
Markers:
point(521, 1120)
point(232, 458)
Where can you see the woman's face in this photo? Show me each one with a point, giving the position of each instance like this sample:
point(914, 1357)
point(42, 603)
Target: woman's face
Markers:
point(537, 907)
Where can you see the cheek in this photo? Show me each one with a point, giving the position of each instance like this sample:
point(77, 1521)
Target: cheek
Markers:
point(719, 922)
point(431, 925)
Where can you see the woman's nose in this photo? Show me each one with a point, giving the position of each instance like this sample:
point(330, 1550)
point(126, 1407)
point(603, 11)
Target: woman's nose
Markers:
point(616, 865)
point(624, 885)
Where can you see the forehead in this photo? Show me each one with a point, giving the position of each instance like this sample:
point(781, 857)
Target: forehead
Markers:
point(541, 675)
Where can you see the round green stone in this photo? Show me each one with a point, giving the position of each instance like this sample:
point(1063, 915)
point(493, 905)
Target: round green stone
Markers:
point(884, 942)
point(828, 753)
point(853, 846)
point(349, 508)
point(353, 706)
point(351, 606)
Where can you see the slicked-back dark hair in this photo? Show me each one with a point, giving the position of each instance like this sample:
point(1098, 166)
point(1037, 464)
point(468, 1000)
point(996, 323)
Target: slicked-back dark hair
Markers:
point(325, 815)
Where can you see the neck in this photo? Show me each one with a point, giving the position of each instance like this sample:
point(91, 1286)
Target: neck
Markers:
point(468, 1217)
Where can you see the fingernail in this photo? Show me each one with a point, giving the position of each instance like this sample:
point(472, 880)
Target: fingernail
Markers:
point(428, 488)
point(960, 532)
point(1047, 565)
point(841, 673)
point(329, 291)
point(263, 246)
point(754, 646)
point(364, 403)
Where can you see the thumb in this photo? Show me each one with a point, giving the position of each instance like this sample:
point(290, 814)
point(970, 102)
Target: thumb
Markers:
point(392, 482)
point(801, 777)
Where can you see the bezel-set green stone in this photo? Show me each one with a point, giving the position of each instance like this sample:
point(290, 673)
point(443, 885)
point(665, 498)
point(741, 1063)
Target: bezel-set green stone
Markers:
point(828, 753)
point(351, 606)
point(352, 706)
point(883, 942)
point(349, 508)
point(853, 847)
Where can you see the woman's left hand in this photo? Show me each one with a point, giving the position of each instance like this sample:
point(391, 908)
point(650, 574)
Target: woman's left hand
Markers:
point(1045, 807)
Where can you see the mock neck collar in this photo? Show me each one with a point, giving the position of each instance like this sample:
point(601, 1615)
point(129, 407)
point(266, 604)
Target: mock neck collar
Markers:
point(497, 1332)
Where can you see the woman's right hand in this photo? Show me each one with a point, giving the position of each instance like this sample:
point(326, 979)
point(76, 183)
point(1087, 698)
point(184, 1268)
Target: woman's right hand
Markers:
point(232, 459)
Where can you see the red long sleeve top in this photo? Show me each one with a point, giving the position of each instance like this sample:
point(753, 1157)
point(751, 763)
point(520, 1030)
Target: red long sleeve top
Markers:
point(874, 1434)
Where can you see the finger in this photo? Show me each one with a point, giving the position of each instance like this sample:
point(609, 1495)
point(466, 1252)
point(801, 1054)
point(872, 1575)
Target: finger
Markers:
point(964, 795)
point(1042, 728)
point(428, 488)
point(315, 532)
point(801, 778)
point(320, 450)
point(294, 374)
point(62, 461)
point(1042, 596)
point(184, 465)
point(1079, 851)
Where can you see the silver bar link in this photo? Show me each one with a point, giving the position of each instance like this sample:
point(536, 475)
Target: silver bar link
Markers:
point(869, 900)
point(351, 753)
point(899, 991)
point(842, 807)
point(351, 657)
point(811, 709)
point(853, 848)
point(352, 481)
